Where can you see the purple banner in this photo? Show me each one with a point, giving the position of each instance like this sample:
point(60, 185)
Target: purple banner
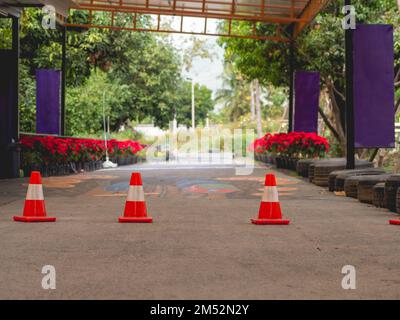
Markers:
point(374, 86)
point(48, 102)
point(306, 101)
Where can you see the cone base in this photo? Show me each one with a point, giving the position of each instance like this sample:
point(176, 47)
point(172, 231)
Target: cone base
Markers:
point(135, 220)
point(395, 222)
point(34, 219)
point(270, 221)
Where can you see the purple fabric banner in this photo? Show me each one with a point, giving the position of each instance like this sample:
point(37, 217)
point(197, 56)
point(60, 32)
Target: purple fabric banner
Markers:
point(48, 101)
point(374, 86)
point(306, 101)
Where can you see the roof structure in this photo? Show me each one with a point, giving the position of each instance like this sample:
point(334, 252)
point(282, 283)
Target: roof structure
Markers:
point(275, 13)
point(169, 15)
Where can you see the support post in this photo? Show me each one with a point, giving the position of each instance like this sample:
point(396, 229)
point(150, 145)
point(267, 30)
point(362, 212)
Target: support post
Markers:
point(291, 84)
point(9, 115)
point(350, 149)
point(63, 78)
point(16, 52)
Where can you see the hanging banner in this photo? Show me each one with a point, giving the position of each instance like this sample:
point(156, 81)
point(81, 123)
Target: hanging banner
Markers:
point(306, 101)
point(373, 86)
point(48, 101)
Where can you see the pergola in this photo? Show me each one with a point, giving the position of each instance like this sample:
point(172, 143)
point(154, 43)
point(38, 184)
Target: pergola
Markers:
point(285, 18)
point(278, 13)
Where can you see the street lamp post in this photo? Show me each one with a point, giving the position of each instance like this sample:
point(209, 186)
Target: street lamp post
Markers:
point(193, 105)
point(193, 111)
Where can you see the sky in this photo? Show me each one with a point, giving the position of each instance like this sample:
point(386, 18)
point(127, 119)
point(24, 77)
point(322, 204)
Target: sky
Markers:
point(205, 71)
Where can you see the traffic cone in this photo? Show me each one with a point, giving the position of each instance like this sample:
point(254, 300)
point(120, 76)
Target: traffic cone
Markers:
point(395, 222)
point(270, 209)
point(135, 207)
point(34, 209)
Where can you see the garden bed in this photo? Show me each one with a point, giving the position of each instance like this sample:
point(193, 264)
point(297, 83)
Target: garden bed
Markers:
point(57, 156)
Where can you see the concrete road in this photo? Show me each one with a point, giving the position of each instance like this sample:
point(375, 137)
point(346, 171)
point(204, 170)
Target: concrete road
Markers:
point(201, 244)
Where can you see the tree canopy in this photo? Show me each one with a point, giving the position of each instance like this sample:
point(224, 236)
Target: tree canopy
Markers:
point(320, 47)
point(139, 74)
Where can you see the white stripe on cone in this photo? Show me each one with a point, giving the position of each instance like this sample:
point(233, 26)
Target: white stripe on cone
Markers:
point(35, 192)
point(135, 193)
point(270, 194)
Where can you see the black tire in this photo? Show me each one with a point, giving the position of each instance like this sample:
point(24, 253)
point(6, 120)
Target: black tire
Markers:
point(333, 176)
point(379, 195)
point(365, 189)
point(323, 170)
point(398, 200)
point(391, 185)
point(311, 169)
point(351, 187)
point(302, 167)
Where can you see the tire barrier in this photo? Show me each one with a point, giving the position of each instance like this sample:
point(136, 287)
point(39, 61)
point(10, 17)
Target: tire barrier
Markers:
point(379, 200)
point(335, 185)
point(366, 185)
point(351, 187)
point(391, 186)
point(323, 169)
point(302, 167)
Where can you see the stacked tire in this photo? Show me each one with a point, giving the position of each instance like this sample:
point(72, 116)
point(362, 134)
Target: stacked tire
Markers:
point(302, 167)
point(391, 186)
point(365, 191)
point(379, 200)
point(323, 169)
point(337, 178)
point(351, 186)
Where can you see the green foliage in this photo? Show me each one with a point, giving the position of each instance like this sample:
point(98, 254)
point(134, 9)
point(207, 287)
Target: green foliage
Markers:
point(5, 34)
point(27, 101)
point(319, 47)
point(85, 104)
point(140, 74)
point(234, 95)
point(203, 104)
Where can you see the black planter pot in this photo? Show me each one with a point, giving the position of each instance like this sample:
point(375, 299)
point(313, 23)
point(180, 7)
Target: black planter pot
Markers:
point(284, 163)
point(292, 163)
point(99, 164)
point(295, 160)
point(279, 162)
point(29, 168)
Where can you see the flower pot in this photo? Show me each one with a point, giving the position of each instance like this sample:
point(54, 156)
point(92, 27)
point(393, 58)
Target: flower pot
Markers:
point(279, 162)
point(292, 163)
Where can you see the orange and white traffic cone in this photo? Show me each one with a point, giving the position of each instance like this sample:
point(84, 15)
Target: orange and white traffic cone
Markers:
point(35, 209)
point(270, 209)
point(395, 222)
point(135, 207)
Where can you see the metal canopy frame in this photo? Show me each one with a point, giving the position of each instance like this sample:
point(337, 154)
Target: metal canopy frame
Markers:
point(276, 13)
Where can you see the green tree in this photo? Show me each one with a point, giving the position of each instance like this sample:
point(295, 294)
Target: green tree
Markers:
point(204, 104)
point(140, 72)
point(234, 95)
point(320, 47)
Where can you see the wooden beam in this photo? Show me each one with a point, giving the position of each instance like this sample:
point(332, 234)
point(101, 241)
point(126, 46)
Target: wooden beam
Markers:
point(309, 13)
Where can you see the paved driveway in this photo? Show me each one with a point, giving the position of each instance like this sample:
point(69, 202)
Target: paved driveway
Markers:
point(201, 244)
